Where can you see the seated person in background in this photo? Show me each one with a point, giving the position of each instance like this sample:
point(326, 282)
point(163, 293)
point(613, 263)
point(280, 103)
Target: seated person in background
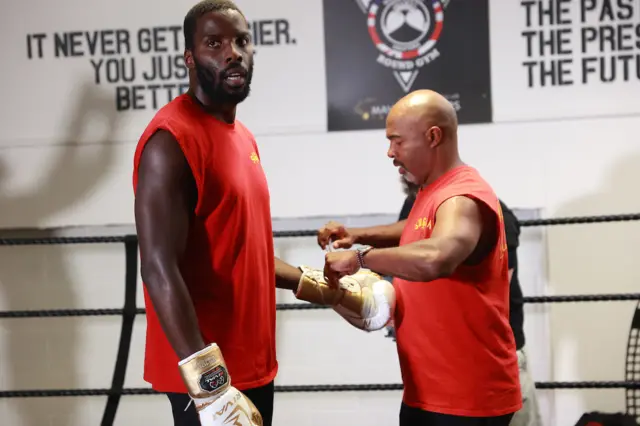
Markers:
point(529, 415)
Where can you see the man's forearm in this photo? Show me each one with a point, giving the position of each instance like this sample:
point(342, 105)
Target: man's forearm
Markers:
point(174, 307)
point(379, 236)
point(287, 276)
point(420, 261)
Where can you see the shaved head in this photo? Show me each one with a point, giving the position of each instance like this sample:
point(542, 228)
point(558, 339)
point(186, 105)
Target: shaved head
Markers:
point(425, 108)
point(422, 128)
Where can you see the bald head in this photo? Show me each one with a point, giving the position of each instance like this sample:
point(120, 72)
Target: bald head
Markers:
point(422, 130)
point(426, 108)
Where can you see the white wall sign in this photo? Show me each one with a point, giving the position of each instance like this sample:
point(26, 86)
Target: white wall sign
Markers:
point(553, 59)
point(133, 52)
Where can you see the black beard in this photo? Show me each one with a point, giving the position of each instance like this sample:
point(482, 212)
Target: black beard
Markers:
point(212, 86)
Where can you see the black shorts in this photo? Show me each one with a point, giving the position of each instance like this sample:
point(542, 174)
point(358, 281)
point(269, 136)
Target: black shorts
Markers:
point(261, 397)
point(410, 416)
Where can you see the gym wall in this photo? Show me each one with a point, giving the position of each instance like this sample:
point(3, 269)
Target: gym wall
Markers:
point(547, 95)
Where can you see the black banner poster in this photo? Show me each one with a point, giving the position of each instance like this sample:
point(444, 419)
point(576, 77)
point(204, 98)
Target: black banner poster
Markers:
point(377, 51)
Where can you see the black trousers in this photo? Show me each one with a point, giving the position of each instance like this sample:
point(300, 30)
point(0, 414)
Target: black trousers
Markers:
point(410, 416)
point(261, 397)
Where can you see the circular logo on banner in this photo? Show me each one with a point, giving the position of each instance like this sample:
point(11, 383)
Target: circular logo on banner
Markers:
point(406, 33)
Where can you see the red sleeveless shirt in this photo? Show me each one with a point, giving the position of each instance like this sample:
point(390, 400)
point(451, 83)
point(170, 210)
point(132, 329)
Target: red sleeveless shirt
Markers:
point(229, 265)
point(456, 348)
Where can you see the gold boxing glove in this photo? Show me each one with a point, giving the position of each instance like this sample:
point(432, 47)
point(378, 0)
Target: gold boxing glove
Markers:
point(364, 299)
point(217, 402)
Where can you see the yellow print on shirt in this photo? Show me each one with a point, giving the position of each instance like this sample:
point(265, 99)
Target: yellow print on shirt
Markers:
point(254, 158)
point(423, 223)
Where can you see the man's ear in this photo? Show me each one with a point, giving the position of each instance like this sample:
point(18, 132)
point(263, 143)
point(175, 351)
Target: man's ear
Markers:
point(188, 59)
point(434, 136)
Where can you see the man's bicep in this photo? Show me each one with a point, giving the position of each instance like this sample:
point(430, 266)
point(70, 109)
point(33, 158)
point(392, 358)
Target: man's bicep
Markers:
point(458, 228)
point(162, 207)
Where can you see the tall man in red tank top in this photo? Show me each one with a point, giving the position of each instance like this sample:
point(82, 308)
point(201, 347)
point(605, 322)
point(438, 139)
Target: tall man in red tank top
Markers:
point(456, 349)
point(203, 217)
point(202, 211)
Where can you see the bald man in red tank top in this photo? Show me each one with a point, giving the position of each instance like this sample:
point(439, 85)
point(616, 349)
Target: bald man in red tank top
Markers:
point(456, 348)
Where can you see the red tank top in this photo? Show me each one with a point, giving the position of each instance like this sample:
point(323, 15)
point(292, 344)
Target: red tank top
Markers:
point(456, 348)
point(229, 265)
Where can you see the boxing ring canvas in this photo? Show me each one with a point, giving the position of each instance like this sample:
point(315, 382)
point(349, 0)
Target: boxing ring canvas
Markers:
point(316, 347)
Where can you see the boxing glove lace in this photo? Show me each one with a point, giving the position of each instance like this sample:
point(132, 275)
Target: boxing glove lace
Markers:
point(209, 385)
point(363, 299)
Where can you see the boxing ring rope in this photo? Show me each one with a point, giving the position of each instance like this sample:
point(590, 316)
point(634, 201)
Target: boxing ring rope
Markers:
point(129, 311)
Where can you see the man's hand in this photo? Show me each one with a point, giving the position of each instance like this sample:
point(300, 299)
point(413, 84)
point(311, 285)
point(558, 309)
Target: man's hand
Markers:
point(337, 264)
point(336, 232)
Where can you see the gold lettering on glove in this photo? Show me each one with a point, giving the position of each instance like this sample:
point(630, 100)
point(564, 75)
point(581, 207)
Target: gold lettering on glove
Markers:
point(238, 412)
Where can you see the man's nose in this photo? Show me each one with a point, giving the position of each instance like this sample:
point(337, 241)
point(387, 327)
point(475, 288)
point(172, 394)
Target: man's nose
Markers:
point(390, 153)
point(233, 54)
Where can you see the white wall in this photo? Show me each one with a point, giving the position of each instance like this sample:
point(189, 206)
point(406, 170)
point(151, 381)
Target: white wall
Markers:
point(66, 156)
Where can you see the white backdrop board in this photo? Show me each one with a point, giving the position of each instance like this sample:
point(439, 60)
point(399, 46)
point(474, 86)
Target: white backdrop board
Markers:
point(554, 59)
point(134, 53)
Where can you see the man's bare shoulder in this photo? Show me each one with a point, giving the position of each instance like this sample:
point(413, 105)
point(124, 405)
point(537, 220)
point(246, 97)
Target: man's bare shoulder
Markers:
point(460, 206)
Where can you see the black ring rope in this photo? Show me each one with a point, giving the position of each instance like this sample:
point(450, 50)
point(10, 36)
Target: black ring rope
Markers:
point(306, 306)
point(24, 241)
point(304, 388)
point(309, 233)
point(130, 310)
